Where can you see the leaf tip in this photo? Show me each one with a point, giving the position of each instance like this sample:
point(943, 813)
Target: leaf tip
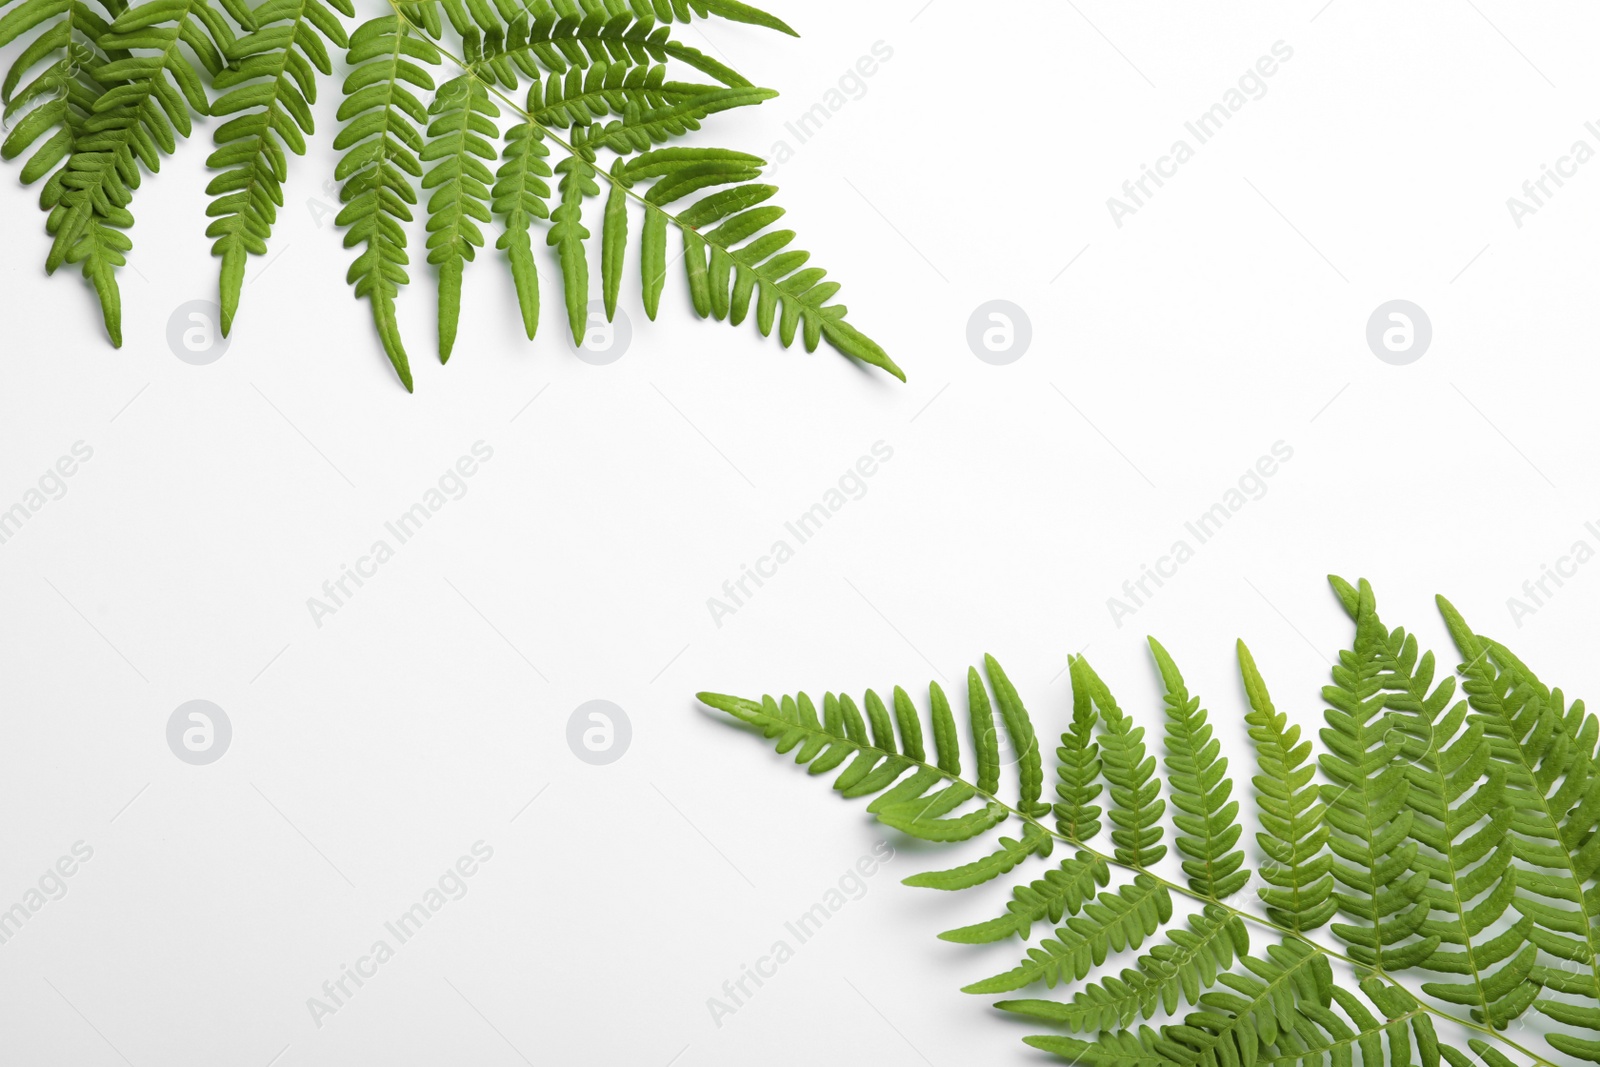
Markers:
point(738, 707)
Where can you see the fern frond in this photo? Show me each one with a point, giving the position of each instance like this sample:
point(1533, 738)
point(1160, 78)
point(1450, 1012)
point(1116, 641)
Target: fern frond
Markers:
point(1315, 1033)
point(521, 195)
point(1011, 853)
point(55, 103)
point(146, 89)
point(1368, 812)
point(1114, 921)
point(1078, 771)
point(270, 89)
point(1552, 789)
point(555, 36)
point(1294, 835)
point(94, 100)
point(1062, 891)
point(746, 259)
point(1408, 836)
point(1136, 804)
point(567, 234)
point(1197, 777)
point(1186, 963)
point(1459, 824)
point(381, 145)
point(460, 137)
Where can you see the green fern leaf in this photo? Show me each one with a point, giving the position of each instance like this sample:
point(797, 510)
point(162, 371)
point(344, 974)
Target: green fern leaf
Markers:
point(95, 100)
point(567, 234)
point(1078, 771)
point(380, 165)
point(1136, 804)
point(147, 91)
point(1368, 811)
point(269, 90)
point(1062, 891)
point(58, 98)
point(1408, 835)
point(520, 196)
point(1186, 963)
point(985, 737)
point(615, 240)
point(1007, 857)
point(1268, 1004)
point(1113, 922)
point(1200, 789)
point(460, 137)
point(1294, 835)
point(1547, 752)
point(1460, 824)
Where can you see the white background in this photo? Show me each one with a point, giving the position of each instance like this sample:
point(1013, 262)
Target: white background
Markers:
point(368, 754)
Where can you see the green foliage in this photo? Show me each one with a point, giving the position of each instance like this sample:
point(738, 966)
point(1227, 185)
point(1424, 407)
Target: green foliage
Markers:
point(1435, 864)
point(269, 90)
point(100, 91)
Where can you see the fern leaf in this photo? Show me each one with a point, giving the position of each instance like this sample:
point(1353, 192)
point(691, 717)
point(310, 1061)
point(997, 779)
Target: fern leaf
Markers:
point(1294, 834)
point(460, 137)
point(1034, 842)
point(148, 89)
point(1062, 891)
point(909, 819)
point(56, 109)
point(1547, 752)
point(984, 735)
point(1112, 922)
point(614, 244)
point(1368, 812)
point(1207, 819)
point(1136, 804)
point(58, 98)
point(520, 196)
point(1318, 1033)
point(1184, 964)
point(567, 234)
point(1269, 1003)
point(269, 90)
point(1019, 729)
point(100, 91)
point(380, 165)
point(1078, 771)
point(1459, 823)
point(1408, 778)
point(747, 263)
point(872, 764)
